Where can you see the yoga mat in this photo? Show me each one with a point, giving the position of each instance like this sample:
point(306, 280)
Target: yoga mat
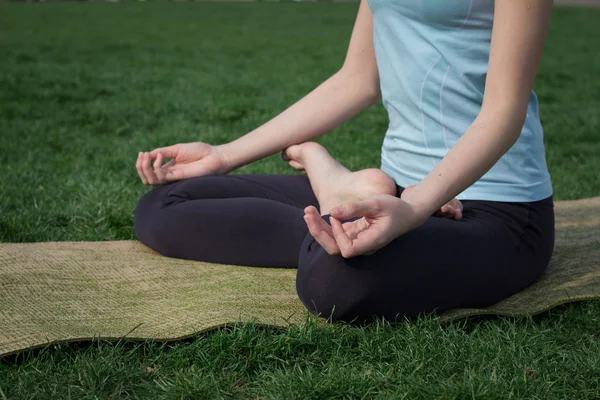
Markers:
point(66, 291)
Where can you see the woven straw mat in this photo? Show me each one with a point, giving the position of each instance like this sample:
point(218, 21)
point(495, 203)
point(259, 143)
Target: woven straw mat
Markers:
point(67, 291)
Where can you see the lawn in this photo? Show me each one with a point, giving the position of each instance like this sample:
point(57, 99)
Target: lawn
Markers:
point(84, 87)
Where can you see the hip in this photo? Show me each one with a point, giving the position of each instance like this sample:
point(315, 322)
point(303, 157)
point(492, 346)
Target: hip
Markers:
point(530, 226)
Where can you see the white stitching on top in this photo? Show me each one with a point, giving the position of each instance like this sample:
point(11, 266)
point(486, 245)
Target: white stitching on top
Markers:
point(442, 106)
point(421, 108)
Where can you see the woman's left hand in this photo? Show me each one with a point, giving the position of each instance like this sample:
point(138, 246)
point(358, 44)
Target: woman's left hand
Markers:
point(384, 218)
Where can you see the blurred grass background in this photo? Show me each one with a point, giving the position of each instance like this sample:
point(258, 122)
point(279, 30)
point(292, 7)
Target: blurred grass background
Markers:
point(84, 87)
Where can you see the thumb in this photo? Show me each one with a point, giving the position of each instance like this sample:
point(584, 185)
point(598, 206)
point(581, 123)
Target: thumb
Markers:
point(177, 172)
point(169, 164)
point(365, 208)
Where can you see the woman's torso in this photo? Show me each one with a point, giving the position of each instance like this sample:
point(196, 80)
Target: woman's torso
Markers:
point(432, 57)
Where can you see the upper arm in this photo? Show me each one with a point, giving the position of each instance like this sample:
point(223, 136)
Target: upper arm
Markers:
point(360, 58)
point(518, 37)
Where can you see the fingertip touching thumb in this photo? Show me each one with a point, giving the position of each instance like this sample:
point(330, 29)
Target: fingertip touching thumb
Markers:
point(342, 212)
point(336, 212)
point(352, 210)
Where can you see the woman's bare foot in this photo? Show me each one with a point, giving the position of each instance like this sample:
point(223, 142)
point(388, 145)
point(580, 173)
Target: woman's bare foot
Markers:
point(333, 183)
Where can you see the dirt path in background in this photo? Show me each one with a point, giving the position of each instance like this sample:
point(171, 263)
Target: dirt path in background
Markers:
point(577, 3)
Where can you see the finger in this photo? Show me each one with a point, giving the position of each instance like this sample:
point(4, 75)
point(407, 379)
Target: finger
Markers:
point(342, 240)
point(458, 215)
point(324, 238)
point(459, 205)
point(313, 213)
point(366, 242)
point(158, 161)
point(138, 166)
point(158, 171)
point(311, 209)
point(147, 168)
point(167, 152)
point(142, 169)
point(320, 230)
point(358, 209)
point(153, 178)
point(453, 212)
point(447, 210)
point(355, 228)
point(324, 226)
point(455, 203)
point(168, 164)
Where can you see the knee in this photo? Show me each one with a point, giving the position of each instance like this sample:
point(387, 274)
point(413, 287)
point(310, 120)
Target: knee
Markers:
point(148, 219)
point(356, 290)
point(330, 287)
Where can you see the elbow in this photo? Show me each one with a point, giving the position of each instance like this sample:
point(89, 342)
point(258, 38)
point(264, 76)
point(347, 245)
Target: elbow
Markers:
point(366, 84)
point(372, 98)
point(509, 114)
point(376, 96)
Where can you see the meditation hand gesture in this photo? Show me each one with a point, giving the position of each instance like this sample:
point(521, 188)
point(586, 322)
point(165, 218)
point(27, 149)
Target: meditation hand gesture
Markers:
point(189, 160)
point(383, 218)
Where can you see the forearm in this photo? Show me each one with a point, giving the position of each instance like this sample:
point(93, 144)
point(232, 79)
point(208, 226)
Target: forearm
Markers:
point(490, 136)
point(333, 102)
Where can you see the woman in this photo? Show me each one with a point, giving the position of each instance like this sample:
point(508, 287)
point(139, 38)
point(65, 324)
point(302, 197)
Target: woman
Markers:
point(460, 213)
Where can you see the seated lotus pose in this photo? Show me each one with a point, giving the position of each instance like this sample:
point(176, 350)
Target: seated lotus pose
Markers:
point(461, 212)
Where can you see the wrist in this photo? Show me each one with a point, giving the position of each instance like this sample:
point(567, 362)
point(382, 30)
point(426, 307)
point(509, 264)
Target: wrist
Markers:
point(419, 201)
point(224, 154)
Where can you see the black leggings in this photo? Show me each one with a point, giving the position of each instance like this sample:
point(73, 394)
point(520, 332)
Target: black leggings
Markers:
point(495, 250)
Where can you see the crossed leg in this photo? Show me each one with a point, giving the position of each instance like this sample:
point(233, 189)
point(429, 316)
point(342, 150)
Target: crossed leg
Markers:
point(256, 220)
point(443, 264)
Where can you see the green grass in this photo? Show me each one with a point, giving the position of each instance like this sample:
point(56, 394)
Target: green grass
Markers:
point(84, 87)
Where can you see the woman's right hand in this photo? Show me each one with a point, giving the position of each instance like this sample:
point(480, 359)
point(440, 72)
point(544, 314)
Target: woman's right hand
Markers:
point(189, 160)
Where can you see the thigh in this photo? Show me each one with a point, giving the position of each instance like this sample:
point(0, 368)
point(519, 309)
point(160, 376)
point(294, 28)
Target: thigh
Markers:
point(293, 190)
point(253, 220)
point(442, 264)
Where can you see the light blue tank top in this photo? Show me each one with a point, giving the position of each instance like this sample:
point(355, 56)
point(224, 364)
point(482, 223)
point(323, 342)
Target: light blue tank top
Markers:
point(432, 57)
